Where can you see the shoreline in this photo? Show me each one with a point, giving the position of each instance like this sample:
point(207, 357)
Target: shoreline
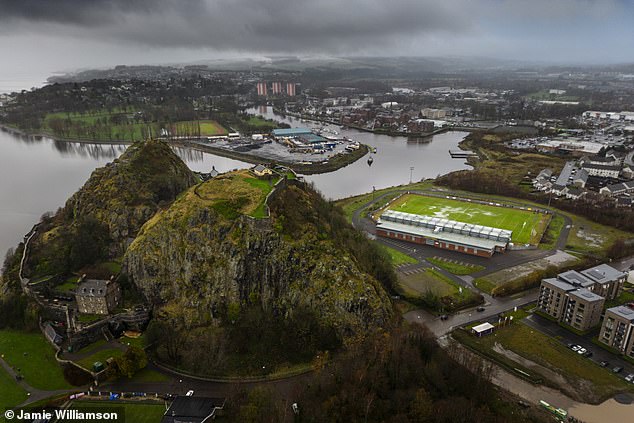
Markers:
point(389, 133)
point(335, 163)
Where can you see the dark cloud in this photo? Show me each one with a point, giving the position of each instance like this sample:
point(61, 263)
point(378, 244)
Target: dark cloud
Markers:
point(271, 25)
point(135, 30)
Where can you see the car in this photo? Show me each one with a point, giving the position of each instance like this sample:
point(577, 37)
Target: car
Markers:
point(630, 377)
point(444, 317)
point(604, 363)
point(189, 393)
point(588, 354)
point(617, 369)
point(480, 309)
point(575, 348)
point(581, 351)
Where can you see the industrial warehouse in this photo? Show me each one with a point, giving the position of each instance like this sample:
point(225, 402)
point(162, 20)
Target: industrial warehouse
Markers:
point(443, 233)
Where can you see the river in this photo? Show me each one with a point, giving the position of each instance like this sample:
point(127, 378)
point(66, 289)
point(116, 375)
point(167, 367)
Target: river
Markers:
point(38, 175)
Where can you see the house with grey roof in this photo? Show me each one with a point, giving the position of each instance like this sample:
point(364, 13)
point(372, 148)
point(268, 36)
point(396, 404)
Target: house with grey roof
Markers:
point(96, 296)
point(618, 189)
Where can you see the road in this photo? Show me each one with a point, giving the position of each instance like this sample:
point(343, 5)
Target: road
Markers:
point(34, 394)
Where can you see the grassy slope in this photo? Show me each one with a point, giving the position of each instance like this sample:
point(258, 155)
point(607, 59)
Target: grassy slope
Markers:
point(11, 394)
point(520, 222)
point(550, 353)
point(38, 366)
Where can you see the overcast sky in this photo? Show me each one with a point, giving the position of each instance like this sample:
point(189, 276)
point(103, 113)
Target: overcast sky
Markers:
point(38, 37)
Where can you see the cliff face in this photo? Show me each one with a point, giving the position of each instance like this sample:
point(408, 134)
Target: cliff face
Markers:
point(198, 261)
point(127, 192)
point(100, 219)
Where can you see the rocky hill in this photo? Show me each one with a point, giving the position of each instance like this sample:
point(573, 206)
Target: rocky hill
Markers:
point(98, 221)
point(205, 261)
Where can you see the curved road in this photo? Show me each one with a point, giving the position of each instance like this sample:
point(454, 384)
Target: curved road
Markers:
point(494, 305)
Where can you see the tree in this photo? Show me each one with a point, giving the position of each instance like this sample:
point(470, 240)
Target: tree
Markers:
point(131, 362)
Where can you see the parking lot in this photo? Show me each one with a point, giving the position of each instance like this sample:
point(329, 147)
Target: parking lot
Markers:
point(583, 345)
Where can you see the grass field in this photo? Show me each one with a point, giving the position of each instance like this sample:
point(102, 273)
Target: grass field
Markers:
point(101, 356)
point(207, 127)
point(119, 125)
point(527, 226)
point(457, 268)
point(430, 280)
point(35, 358)
point(396, 257)
point(11, 394)
point(134, 413)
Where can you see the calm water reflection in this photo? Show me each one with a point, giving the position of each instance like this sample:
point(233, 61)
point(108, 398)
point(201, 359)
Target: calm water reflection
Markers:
point(39, 174)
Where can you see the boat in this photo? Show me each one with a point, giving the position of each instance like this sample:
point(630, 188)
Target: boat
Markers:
point(370, 160)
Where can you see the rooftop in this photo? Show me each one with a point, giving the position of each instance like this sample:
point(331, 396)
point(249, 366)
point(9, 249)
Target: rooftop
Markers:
point(603, 273)
point(483, 327)
point(564, 286)
point(585, 295)
point(192, 409)
point(465, 240)
point(575, 278)
point(445, 225)
point(291, 132)
point(624, 312)
point(93, 288)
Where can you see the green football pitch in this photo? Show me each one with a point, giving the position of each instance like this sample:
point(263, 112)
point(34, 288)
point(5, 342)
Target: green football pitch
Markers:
point(527, 226)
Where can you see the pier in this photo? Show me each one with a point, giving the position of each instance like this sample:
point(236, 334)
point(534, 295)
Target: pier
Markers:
point(462, 154)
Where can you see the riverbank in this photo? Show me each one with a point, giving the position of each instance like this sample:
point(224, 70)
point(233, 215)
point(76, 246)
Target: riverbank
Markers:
point(380, 132)
point(335, 163)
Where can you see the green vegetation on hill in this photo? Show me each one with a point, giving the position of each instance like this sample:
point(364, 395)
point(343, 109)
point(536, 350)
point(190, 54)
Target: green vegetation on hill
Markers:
point(96, 222)
point(280, 289)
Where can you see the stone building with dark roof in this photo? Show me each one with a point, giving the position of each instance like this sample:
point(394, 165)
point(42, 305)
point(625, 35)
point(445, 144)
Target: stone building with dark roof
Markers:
point(97, 296)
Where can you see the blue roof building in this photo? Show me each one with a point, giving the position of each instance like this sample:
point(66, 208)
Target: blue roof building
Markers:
point(291, 132)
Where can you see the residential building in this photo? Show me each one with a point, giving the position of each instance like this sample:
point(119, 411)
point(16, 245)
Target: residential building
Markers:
point(261, 170)
point(580, 178)
point(262, 88)
point(553, 297)
point(569, 298)
point(583, 309)
point(97, 296)
point(618, 189)
point(616, 331)
point(608, 282)
point(605, 171)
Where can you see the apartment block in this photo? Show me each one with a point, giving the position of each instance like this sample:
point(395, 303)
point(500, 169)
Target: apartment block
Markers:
point(608, 282)
point(616, 331)
point(553, 297)
point(583, 309)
